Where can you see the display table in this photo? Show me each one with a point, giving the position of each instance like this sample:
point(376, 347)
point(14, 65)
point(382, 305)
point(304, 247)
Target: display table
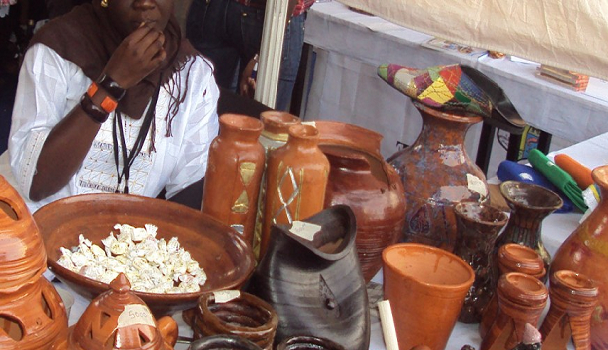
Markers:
point(349, 46)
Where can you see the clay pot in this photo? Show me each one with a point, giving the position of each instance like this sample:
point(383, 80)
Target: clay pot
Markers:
point(32, 314)
point(234, 172)
point(512, 257)
point(437, 173)
point(296, 180)
point(312, 278)
point(426, 287)
point(374, 192)
point(246, 316)
point(118, 319)
point(521, 300)
point(530, 204)
point(478, 228)
point(349, 135)
point(585, 252)
point(573, 300)
point(304, 342)
point(223, 342)
point(274, 135)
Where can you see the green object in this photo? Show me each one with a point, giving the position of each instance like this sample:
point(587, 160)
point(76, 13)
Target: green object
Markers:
point(558, 177)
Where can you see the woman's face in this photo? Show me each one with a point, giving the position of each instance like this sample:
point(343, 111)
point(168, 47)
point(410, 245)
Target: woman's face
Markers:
point(128, 15)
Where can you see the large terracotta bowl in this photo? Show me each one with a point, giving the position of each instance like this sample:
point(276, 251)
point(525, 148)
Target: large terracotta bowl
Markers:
point(225, 257)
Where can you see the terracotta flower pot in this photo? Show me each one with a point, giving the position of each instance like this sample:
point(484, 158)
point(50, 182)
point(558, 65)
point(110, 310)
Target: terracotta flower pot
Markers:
point(478, 228)
point(246, 316)
point(530, 204)
point(573, 300)
point(521, 300)
point(437, 173)
point(296, 179)
point(585, 251)
point(234, 172)
point(426, 287)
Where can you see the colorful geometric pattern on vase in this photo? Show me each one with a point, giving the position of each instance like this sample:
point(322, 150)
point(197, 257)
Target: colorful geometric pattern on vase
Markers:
point(573, 301)
point(296, 178)
point(306, 342)
point(118, 319)
point(223, 342)
point(274, 135)
point(530, 204)
point(426, 287)
point(478, 228)
point(32, 314)
point(237, 313)
point(311, 276)
point(373, 190)
point(521, 300)
point(234, 173)
point(511, 257)
point(437, 173)
point(586, 251)
point(445, 88)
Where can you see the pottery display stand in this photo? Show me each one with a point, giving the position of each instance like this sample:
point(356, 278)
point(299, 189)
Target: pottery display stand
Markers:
point(32, 314)
point(573, 299)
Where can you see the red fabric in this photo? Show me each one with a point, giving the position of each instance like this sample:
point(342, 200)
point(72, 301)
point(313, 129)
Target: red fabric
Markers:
point(302, 6)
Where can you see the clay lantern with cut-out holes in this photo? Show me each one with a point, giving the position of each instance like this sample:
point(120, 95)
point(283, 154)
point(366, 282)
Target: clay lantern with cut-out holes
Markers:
point(118, 319)
point(32, 314)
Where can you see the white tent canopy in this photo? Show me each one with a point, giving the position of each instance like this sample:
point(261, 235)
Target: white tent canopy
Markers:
point(568, 34)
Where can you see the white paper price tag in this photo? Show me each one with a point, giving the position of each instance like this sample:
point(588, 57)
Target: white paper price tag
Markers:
point(475, 184)
point(304, 230)
point(224, 296)
point(135, 314)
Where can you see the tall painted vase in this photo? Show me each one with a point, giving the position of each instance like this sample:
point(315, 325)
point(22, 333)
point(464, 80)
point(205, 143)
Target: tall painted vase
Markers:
point(586, 251)
point(234, 172)
point(437, 173)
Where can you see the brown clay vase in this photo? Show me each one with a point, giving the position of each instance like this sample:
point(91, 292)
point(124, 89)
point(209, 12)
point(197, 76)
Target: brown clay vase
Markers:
point(223, 342)
point(530, 204)
point(349, 135)
point(437, 173)
point(521, 300)
point(244, 315)
point(478, 228)
point(586, 251)
point(296, 180)
point(32, 314)
point(274, 135)
point(511, 257)
point(234, 172)
point(426, 287)
point(118, 319)
point(573, 300)
point(307, 342)
point(372, 189)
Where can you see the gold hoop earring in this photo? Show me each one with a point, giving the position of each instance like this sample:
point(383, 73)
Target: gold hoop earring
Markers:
point(104, 3)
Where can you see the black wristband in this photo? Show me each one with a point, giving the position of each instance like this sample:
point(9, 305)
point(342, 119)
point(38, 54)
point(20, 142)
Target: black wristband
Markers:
point(112, 87)
point(93, 111)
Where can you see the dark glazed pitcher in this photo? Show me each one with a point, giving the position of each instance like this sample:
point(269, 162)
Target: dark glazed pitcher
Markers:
point(311, 276)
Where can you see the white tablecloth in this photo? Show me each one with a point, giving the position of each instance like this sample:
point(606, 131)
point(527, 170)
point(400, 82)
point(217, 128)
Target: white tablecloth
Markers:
point(349, 47)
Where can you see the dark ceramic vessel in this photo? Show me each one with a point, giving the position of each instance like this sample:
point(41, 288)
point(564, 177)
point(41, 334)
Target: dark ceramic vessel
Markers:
point(223, 342)
point(304, 342)
point(312, 278)
point(437, 173)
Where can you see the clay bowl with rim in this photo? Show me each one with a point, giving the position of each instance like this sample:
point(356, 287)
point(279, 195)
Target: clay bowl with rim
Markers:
point(225, 257)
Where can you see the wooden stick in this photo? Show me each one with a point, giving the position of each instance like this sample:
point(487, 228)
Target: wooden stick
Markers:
point(388, 326)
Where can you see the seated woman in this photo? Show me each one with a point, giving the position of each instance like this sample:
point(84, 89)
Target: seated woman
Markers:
point(111, 99)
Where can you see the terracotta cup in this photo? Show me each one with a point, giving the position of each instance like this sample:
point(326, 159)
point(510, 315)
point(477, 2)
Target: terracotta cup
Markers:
point(426, 287)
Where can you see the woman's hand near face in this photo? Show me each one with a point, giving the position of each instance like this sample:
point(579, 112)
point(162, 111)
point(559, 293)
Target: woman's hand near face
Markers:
point(137, 56)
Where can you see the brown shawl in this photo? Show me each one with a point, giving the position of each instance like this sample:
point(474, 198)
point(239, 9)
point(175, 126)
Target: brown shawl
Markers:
point(85, 37)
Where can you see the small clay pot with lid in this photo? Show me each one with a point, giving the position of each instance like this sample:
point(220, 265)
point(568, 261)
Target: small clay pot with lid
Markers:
point(305, 342)
point(118, 319)
point(238, 313)
point(573, 300)
point(521, 300)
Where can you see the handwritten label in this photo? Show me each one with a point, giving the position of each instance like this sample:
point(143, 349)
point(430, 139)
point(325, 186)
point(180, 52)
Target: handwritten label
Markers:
point(476, 185)
point(135, 314)
point(304, 230)
point(224, 296)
